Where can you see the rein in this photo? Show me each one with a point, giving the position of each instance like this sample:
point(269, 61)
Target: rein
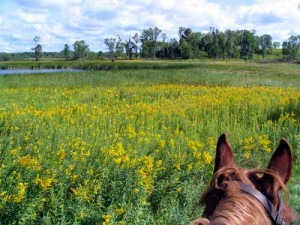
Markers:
point(274, 214)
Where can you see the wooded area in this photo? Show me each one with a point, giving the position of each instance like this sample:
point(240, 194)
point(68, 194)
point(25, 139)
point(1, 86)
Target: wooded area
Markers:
point(153, 43)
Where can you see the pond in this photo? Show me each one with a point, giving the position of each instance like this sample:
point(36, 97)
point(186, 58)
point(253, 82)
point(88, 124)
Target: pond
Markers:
point(28, 71)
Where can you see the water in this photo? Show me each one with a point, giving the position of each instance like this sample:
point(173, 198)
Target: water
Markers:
point(27, 71)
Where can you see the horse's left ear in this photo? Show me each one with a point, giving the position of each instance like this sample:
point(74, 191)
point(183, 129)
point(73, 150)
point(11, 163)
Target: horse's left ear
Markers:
point(224, 155)
point(280, 164)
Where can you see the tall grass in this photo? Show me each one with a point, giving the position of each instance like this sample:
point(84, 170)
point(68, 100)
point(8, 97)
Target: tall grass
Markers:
point(97, 65)
point(135, 147)
point(202, 73)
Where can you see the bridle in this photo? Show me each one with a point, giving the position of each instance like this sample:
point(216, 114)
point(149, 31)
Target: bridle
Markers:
point(275, 215)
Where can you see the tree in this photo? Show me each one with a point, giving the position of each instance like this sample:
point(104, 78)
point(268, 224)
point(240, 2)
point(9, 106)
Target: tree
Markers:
point(129, 47)
point(136, 41)
point(265, 43)
point(38, 50)
point(80, 49)
point(184, 33)
point(276, 44)
point(111, 45)
point(146, 39)
point(149, 39)
point(211, 44)
point(162, 47)
point(294, 46)
point(215, 45)
point(156, 33)
point(66, 52)
point(173, 49)
point(231, 45)
point(186, 42)
point(248, 43)
point(222, 44)
point(119, 47)
point(185, 49)
point(291, 47)
point(100, 54)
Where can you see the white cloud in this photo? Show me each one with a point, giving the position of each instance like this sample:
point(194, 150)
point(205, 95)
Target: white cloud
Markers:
point(101, 5)
point(65, 21)
point(31, 17)
point(278, 18)
point(47, 3)
point(59, 3)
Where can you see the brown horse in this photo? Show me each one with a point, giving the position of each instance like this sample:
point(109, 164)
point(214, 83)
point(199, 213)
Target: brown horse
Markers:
point(237, 196)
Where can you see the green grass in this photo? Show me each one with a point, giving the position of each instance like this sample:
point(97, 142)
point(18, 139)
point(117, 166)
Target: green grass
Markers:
point(200, 73)
point(133, 145)
point(96, 64)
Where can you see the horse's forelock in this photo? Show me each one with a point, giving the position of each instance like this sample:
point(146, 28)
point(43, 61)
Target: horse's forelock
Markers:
point(237, 209)
point(227, 174)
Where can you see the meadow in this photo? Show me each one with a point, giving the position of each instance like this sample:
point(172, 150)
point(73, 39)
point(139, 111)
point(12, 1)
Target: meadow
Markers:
point(136, 144)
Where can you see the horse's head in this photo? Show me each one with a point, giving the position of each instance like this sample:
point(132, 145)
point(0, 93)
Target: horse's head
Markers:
point(239, 196)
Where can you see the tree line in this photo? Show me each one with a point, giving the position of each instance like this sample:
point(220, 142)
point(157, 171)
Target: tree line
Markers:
point(244, 44)
point(152, 43)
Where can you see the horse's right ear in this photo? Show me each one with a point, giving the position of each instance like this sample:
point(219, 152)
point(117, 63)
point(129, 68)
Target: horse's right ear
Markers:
point(280, 164)
point(224, 155)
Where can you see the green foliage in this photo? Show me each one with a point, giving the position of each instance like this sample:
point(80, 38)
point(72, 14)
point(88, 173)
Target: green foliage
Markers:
point(229, 44)
point(80, 49)
point(38, 49)
point(265, 42)
point(149, 39)
point(185, 49)
point(115, 47)
point(111, 45)
point(66, 52)
point(291, 47)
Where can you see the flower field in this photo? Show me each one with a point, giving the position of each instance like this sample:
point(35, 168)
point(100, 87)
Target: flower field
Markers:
point(129, 154)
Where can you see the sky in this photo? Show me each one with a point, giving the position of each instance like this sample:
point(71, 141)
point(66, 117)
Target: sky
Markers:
point(60, 22)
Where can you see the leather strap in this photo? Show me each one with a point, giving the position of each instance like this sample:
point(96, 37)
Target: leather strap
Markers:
point(270, 208)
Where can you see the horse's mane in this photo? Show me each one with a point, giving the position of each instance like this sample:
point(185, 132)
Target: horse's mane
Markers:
point(227, 204)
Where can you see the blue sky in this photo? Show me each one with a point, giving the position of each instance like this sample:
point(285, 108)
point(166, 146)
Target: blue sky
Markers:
point(60, 22)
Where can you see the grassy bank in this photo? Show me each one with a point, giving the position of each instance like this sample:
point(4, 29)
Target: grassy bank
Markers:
point(200, 73)
point(97, 64)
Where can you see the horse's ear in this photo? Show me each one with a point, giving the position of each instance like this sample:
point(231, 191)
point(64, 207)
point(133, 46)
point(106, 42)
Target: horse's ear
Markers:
point(281, 164)
point(224, 155)
point(281, 161)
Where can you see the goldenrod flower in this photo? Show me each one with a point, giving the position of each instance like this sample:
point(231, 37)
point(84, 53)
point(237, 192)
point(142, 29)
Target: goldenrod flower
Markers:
point(29, 162)
point(21, 187)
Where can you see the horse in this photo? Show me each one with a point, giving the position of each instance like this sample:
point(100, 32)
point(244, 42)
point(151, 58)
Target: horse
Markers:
point(236, 196)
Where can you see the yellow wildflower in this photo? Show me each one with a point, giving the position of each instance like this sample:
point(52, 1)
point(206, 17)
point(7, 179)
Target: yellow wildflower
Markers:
point(21, 192)
point(207, 158)
point(118, 160)
point(120, 211)
point(177, 166)
point(29, 162)
point(247, 155)
point(107, 219)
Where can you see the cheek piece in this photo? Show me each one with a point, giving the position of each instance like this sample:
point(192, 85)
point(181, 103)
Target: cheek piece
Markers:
point(274, 214)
